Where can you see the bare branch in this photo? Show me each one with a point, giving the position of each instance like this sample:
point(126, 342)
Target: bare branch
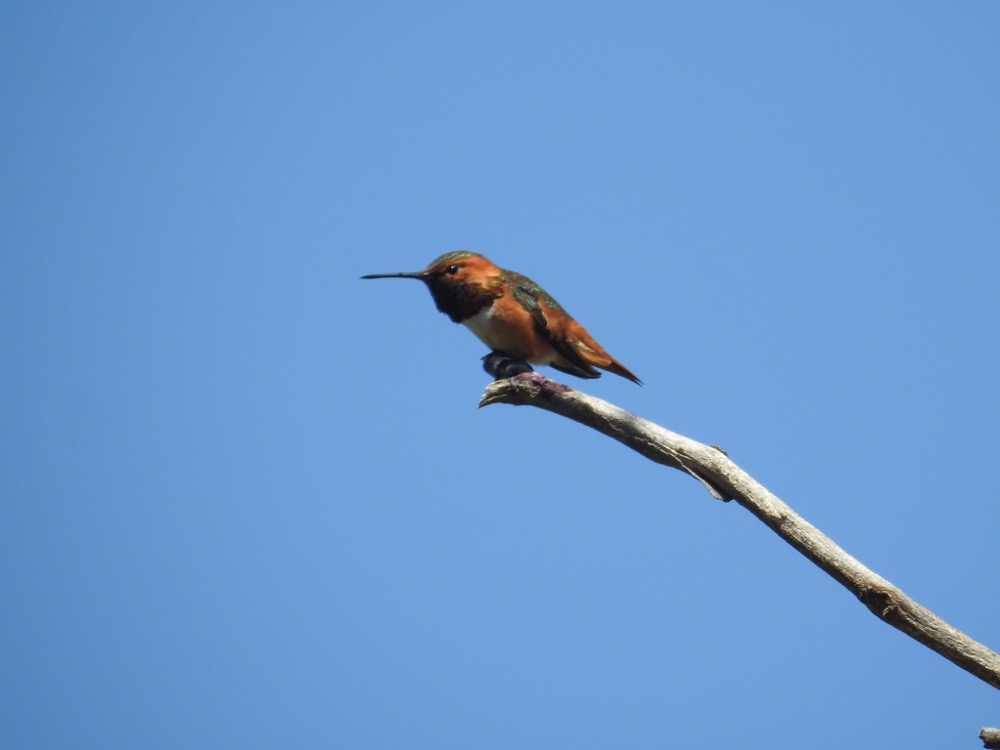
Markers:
point(725, 480)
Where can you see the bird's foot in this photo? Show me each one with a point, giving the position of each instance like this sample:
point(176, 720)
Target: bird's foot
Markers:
point(502, 366)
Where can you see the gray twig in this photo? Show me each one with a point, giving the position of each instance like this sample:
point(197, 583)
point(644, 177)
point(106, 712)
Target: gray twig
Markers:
point(725, 480)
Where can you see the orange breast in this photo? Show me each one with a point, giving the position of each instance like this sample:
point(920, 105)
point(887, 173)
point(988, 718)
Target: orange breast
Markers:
point(509, 328)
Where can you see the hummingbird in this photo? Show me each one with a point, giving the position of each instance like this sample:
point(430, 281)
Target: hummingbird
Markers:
point(512, 315)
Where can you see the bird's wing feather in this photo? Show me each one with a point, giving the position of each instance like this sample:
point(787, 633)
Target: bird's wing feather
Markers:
point(536, 300)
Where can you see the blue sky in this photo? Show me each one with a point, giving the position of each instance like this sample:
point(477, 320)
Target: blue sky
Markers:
point(248, 500)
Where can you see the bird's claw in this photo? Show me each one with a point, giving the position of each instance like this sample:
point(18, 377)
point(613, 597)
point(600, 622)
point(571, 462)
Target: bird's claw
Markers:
point(502, 366)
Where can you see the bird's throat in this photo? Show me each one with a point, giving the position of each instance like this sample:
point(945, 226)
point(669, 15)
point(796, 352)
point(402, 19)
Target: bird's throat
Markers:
point(461, 301)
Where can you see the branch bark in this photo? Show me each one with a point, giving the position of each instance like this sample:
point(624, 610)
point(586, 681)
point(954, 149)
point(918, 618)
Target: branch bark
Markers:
point(727, 481)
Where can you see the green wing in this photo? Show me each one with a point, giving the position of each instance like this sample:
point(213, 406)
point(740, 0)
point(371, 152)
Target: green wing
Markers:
point(534, 299)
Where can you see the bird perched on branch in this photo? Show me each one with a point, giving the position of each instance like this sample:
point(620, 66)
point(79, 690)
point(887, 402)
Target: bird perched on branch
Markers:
point(520, 322)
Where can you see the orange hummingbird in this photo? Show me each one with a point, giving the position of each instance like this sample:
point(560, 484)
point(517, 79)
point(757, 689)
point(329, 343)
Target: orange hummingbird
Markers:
point(513, 316)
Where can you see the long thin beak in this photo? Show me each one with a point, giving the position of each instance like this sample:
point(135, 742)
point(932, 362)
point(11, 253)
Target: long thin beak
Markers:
point(417, 275)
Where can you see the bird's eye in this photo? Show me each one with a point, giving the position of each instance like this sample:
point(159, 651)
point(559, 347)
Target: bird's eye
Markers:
point(452, 269)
